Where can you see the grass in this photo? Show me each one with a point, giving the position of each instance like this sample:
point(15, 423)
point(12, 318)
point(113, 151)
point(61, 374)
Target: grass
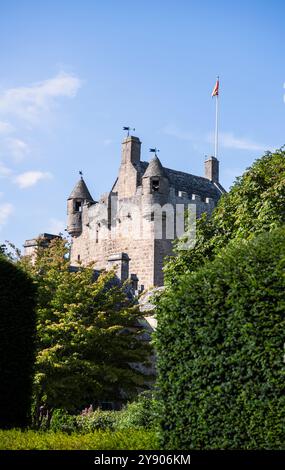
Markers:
point(100, 440)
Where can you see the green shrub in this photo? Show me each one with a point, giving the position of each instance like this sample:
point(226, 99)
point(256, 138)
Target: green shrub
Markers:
point(17, 332)
point(63, 421)
point(98, 419)
point(99, 440)
point(141, 413)
point(220, 342)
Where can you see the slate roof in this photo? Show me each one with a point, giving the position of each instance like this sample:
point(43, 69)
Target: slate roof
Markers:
point(81, 191)
point(191, 184)
point(154, 168)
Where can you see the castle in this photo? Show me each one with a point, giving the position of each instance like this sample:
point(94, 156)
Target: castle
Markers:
point(132, 227)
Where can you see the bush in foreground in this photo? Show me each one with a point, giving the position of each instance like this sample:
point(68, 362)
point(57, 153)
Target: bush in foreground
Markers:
point(17, 332)
point(139, 414)
point(220, 342)
point(99, 440)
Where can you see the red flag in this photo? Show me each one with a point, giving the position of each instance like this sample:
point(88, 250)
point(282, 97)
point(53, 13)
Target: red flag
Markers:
point(215, 91)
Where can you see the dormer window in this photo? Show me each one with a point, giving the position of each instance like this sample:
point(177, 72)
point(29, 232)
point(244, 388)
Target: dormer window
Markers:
point(155, 184)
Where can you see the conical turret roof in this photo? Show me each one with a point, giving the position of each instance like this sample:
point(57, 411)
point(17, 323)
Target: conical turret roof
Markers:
point(154, 168)
point(80, 191)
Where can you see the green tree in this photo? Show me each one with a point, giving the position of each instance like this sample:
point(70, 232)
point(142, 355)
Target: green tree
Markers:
point(88, 335)
point(220, 342)
point(9, 251)
point(255, 203)
point(17, 344)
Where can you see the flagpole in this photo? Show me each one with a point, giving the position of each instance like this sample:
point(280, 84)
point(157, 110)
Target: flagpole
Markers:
point(217, 123)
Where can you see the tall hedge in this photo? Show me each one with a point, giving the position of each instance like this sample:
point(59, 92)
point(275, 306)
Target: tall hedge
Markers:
point(220, 342)
point(17, 331)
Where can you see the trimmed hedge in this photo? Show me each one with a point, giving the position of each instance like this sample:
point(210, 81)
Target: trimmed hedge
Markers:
point(220, 342)
point(17, 333)
point(137, 439)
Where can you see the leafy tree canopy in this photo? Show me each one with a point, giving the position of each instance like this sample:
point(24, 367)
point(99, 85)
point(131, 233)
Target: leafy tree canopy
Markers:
point(87, 334)
point(255, 203)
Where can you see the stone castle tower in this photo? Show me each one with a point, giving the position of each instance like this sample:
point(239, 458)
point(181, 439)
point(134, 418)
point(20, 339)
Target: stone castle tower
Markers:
point(132, 227)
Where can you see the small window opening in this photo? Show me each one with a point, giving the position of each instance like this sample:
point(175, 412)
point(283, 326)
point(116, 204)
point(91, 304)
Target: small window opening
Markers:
point(78, 257)
point(78, 206)
point(163, 225)
point(155, 184)
point(134, 281)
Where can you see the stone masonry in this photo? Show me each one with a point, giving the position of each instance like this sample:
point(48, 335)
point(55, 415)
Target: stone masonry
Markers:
point(132, 227)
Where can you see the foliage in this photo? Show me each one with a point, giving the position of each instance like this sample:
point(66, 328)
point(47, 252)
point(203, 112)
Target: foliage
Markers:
point(98, 419)
point(63, 421)
point(138, 439)
point(141, 413)
point(255, 203)
point(10, 251)
point(17, 331)
point(220, 342)
point(87, 334)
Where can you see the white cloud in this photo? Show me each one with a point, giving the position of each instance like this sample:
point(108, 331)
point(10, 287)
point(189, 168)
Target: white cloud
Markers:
point(5, 127)
point(30, 178)
point(56, 226)
point(28, 103)
point(226, 139)
point(229, 140)
point(17, 148)
point(6, 210)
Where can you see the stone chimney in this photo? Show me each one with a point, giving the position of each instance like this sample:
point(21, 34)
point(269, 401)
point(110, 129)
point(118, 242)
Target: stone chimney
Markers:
point(131, 150)
point(121, 263)
point(128, 175)
point(212, 169)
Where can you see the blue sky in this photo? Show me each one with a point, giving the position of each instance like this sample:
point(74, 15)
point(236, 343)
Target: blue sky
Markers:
point(74, 72)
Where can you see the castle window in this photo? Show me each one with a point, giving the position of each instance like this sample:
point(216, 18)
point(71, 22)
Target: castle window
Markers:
point(155, 184)
point(78, 257)
point(134, 281)
point(78, 206)
point(152, 216)
point(182, 194)
point(163, 227)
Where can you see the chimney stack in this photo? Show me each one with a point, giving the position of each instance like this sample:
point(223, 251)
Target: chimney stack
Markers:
point(131, 150)
point(121, 263)
point(212, 169)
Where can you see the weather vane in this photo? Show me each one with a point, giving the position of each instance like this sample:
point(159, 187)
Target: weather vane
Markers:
point(128, 129)
point(154, 150)
point(81, 173)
